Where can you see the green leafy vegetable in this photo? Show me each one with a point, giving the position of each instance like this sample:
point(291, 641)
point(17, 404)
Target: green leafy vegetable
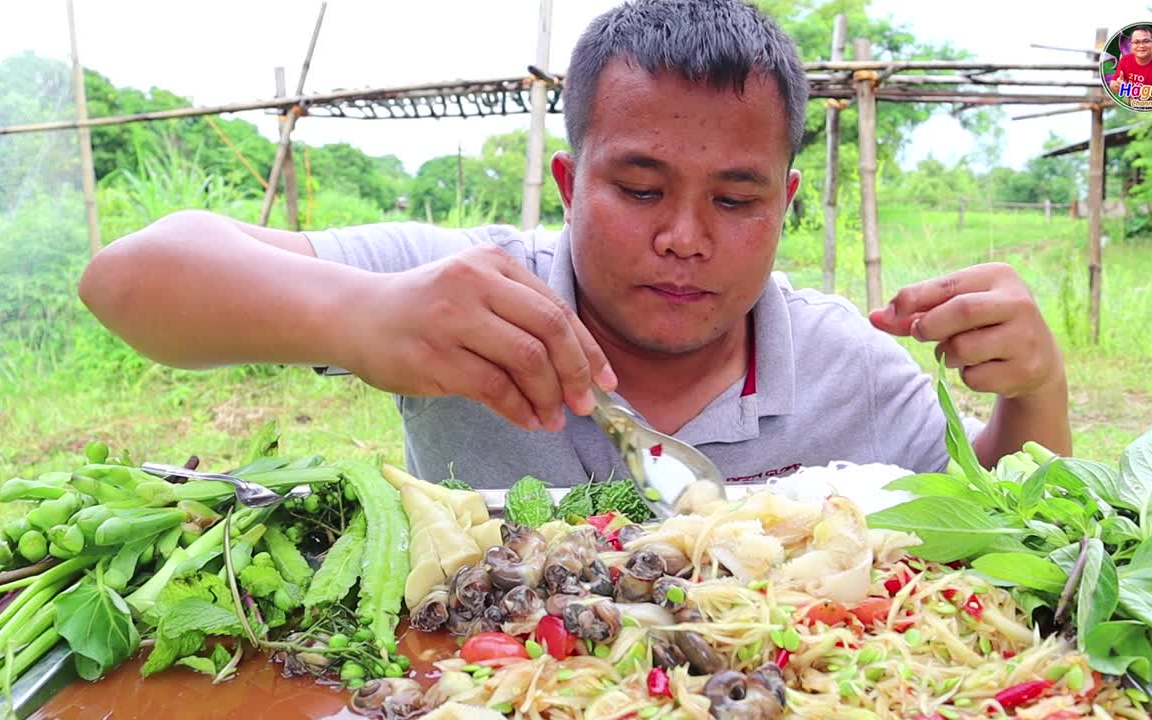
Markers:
point(291, 564)
point(1121, 646)
point(98, 626)
point(199, 664)
point(950, 528)
point(624, 497)
point(454, 484)
point(577, 504)
point(1025, 570)
point(199, 615)
point(529, 503)
point(341, 566)
point(939, 484)
point(1136, 477)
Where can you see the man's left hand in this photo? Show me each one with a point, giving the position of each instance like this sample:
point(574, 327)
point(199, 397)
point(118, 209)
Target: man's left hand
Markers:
point(986, 324)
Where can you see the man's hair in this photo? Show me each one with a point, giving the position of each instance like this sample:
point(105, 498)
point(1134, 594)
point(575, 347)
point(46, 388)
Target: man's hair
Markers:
point(1136, 29)
point(716, 42)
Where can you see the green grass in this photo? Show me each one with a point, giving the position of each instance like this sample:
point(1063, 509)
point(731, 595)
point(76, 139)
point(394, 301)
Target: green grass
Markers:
point(49, 408)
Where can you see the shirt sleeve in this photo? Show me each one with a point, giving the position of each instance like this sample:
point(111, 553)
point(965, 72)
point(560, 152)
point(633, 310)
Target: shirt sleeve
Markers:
point(908, 420)
point(397, 246)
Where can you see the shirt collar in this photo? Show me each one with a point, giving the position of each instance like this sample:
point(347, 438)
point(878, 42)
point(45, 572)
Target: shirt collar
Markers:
point(730, 417)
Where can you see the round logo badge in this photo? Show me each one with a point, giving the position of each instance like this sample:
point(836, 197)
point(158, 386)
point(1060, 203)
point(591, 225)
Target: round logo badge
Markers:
point(1126, 67)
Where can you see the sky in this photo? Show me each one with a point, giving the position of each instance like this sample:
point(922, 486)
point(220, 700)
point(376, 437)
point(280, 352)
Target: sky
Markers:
point(217, 51)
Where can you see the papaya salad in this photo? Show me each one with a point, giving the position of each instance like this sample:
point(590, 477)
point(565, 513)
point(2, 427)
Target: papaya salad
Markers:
point(758, 609)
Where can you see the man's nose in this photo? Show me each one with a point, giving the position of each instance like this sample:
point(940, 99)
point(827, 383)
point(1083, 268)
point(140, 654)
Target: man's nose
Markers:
point(685, 233)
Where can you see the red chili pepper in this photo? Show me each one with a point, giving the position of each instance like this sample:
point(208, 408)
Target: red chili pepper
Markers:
point(615, 573)
point(657, 450)
point(613, 539)
point(1023, 693)
point(955, 565)
point(949, 593)
point(658, 683)
point(600, 521)
point(782, 657)
point(974, 607)
point(1008, 654)
point(900, 577)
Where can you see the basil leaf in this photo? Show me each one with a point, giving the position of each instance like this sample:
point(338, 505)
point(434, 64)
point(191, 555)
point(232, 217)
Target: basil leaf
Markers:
point(1099, 590)
point(1119, 530)
point(1028, 601)
point(1031, 492)
point(949, 528)
point(959, 448)
point(1066, 556)
point(98, 626)
point(1115, 648)
point(1102, 480)
point(1136, 476)
point(932, 484)
point(1022, 569)
point(1142, 558)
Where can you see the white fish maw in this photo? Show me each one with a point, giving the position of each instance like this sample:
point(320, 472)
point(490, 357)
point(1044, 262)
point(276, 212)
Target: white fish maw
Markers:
point(888, 546)
point(459, 711)
point(819, 574)
point(862, 484)
point(745, 549)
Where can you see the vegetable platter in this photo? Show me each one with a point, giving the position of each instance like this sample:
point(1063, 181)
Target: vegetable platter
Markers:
point(1023, 591)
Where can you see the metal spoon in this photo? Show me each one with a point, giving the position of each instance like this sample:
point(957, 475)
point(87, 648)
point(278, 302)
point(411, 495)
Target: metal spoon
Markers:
point(662, 466)
point(249, 494)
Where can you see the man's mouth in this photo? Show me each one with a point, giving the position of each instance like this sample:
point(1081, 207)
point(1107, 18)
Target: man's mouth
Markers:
point(679, 293)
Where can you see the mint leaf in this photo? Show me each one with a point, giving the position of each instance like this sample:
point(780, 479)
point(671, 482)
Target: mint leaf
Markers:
point(949, 528)
point(220, 657)
point(1031, 492)
point(1025, 570)
point(98, 626)
point(1119, 647)
point(167, 650)
point(260, 580)
point(1099, 590)
point(932, 484)
point(199, 664)
point(199, 615)
point(1136, 476)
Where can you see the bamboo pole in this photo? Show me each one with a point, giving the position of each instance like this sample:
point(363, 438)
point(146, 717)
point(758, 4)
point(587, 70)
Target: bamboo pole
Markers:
point(289, 124)
point(534, 176)
point(236, 151)
point(87, 169)
point(866, 131)
point(1095, 200)
point(291, 190)
point(832, 164)
point(309, 201)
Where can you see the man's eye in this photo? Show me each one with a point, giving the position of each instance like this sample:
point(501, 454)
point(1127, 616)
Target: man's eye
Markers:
point(641, 194)
point(731, 202)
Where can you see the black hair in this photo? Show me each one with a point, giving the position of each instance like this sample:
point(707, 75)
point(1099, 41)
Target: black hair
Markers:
point(1145, 28)
point(718, 42)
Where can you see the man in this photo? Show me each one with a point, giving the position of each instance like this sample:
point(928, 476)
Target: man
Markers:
point(1135, 67)
point(684, 117)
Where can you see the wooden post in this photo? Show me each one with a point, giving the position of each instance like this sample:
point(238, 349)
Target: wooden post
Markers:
point(832, 164)
point(1048, 210)
point(87, 170)
point(534, 175)
point(291, 191)
point(289, 124)
point(428, 210)
point(1095, 199)
point(866, 102)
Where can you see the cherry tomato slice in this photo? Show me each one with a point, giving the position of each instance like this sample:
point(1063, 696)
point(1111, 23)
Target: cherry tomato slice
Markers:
point(492, 646)
point(551, 633)
point(872, 610)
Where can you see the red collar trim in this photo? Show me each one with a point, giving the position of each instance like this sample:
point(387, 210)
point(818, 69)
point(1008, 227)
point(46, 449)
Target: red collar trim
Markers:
point(750, 376)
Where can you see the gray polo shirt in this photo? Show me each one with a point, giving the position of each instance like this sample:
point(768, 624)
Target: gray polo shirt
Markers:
point(825, 385)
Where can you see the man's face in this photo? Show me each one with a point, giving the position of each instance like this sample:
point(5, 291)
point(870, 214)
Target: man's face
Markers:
point(1142, 46)
point(675, 206)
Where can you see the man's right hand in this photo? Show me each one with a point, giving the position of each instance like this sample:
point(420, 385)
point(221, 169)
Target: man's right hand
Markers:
point(1114, 83)
point(478, 325)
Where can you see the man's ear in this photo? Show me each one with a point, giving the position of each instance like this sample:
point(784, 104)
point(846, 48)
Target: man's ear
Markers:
point(793, 184)
point(564, 173)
